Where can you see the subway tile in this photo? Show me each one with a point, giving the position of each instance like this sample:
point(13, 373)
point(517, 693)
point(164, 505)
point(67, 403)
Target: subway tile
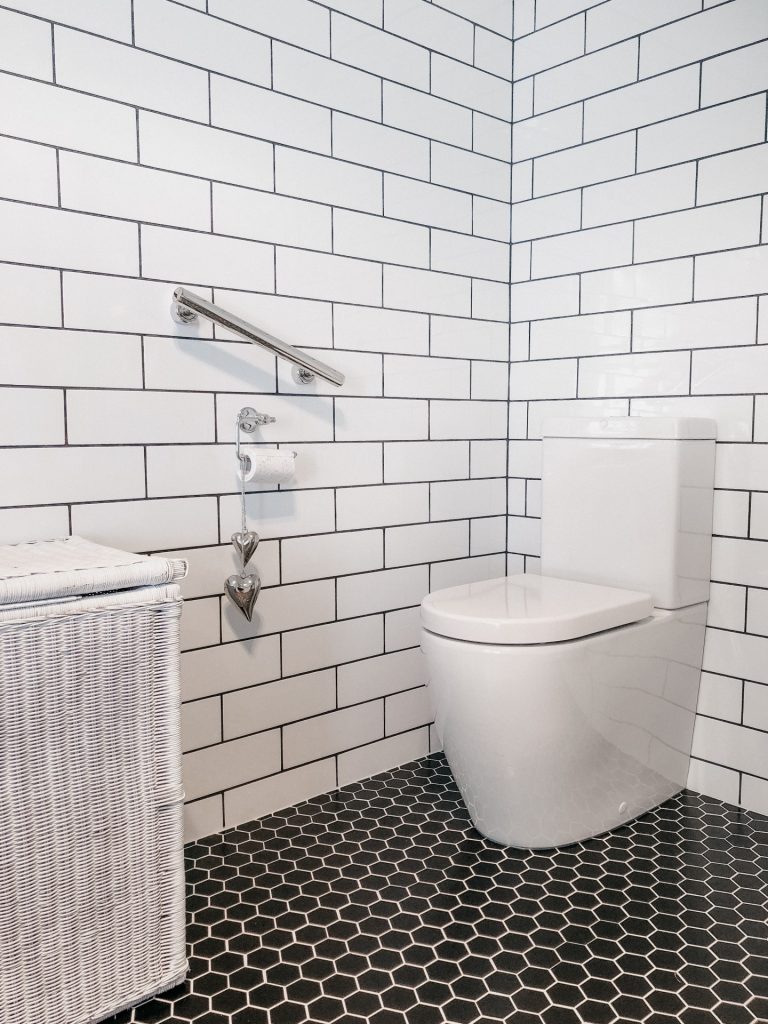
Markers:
point(739, 73)
point(620, 19)
point(31, 416)
point(758, 521)
point(743, 467)
point(255, 799)
point(289, 607)
point(727, 606)
point(525, 458)
point(408, 710)
point(124, 73)
point(431, 26)
point(379, 146)
point(522, 181)
point(334, 554)
point(525, 461)
point(761, 418)
point(730, 744)
point(710, 32)
point(545, 133)
point(269, 115)
point(724, 226)
point(733, 415)
point(585, 164)
point(379, 238)
point(465, 499)
point(377, 677)
point(390, 505)
point(138, 417)
point(490, 218)
point(402, 629)
point(490, 13)
point(56, 475)
point(31, 355)
point(549, 46)
point(534, 300)
point(720, 697)
point(28, 172)
point(589, 335)
point(491, 136)
point(231, 764)
point(743, 562)
point(136, 193)
point(427, 460)
point(741, 173)
point(266, 217)
point(380, 419)
point(367, 760)
point(204, 42)
point(203, 817)
point(336, 465)
point(476, 420)
point(193, 469)
point(175, 145)
point(754, 794)
point(425, 377)
point(470, 172)
point(60, 117)
point(327, 181)
point(332, 644)
point(230, 666)
point(25, 46)
point(488, 381)
point(470, 87)
point(463, 338)
point(294, 21)
point(112, 20)
point(640, 195)
point(312, 77)
point(33, 234)
point(190, 364)
point(200, 626)
point(379, 52)
point(589, 249)
point(298, 321)
point(730, 126)
point(493, 53)
point(522, 99)
point(490, 300)
point(524, 535)
point(381, 330)
point(197, 258)
point(586, 76)
point(551, 215)
point(30, 296)
point(318, 276)
point(731, 515)
point(381, 591)
point(555, 378)
point(461, 254)
point(466, 570)
point(431, 542)
point(427, 204)
point(488, 458)
point(647, 373)
point(23, 524)
point(713, 779)
point(425, 115)
point(695, 325)
point(426, 291)
point(283, 514)
point(208, 566)
point(740, 272)
point(488, 535)
point(271, 704)
point(757, 612)
point(642, 104)
point(651, 284)
point(146, 525)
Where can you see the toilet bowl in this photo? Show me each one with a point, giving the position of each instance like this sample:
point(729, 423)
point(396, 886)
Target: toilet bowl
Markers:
point(565, 701)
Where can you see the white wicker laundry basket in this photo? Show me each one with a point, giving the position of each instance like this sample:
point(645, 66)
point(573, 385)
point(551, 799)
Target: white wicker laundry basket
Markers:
point(91, 869)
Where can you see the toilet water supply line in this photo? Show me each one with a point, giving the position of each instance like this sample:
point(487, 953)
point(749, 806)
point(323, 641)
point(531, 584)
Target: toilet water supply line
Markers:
point(243, 588)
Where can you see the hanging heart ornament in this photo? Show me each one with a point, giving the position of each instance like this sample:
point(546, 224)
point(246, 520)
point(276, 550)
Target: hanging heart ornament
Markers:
point(245, 545)
point(243, 591)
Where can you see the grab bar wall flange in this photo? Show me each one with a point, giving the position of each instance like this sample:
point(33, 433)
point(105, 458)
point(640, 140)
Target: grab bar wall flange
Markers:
point(187, 305)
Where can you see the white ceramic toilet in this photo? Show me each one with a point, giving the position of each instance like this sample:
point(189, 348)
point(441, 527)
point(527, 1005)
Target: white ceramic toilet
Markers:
point(565, 702)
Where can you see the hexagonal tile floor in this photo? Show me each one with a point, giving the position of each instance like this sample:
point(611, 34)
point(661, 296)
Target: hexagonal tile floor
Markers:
point(381, 903)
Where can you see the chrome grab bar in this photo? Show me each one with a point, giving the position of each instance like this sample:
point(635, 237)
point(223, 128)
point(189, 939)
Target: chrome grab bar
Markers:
point(187, 305)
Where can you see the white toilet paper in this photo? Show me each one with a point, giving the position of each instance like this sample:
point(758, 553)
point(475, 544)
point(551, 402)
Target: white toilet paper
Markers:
point(267, 465)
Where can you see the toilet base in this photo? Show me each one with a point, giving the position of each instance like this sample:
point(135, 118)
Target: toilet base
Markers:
point(551, 744)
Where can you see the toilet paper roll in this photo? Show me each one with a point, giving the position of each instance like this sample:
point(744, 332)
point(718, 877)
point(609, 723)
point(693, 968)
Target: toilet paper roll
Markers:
point(267, 465)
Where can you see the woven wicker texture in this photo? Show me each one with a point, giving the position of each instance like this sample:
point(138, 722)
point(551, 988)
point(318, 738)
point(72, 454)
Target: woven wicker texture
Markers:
point(45, 569)
point(91, 917)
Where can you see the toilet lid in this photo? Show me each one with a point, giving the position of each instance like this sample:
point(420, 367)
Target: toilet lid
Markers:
point(530, 609)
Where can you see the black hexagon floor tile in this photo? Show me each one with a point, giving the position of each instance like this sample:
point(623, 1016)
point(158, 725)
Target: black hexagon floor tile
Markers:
point(381, 903)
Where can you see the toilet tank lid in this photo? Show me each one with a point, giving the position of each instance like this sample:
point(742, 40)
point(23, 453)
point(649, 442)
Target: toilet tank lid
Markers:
point(530, 609)
point(672, 428)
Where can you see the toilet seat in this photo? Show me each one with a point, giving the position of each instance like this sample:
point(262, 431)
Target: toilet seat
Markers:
point(530, 609)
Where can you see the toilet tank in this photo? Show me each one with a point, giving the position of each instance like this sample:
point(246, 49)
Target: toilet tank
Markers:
point(627, 502)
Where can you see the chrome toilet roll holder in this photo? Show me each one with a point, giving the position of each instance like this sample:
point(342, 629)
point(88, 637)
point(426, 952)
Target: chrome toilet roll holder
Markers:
point(243, 588)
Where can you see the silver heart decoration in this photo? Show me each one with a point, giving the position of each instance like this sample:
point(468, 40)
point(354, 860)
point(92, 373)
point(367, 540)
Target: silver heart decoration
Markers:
point(243, 591)
point(245, 545)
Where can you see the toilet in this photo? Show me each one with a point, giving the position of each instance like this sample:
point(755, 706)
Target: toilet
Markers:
point(565, 701)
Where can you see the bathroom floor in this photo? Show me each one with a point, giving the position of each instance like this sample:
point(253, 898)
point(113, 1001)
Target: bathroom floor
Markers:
point(381, 903)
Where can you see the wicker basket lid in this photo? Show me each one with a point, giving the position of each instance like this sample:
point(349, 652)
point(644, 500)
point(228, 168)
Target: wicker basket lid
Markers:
point(45, 570)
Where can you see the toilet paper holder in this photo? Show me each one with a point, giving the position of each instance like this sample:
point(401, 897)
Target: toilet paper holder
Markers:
point(248, 420)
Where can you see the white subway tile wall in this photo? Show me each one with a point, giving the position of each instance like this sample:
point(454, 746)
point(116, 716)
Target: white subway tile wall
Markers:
point(343, 180)
point(640, 168)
